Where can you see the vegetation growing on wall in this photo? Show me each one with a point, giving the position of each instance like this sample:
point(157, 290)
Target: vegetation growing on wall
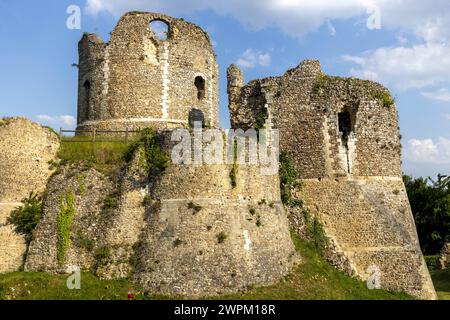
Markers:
point(154, 160)
point(26, 217)
point(288, 180)
point(314, 231)
point(386, 99)
point(319, 85)
point(234, 169)
point(261, 118)
point(64, 225)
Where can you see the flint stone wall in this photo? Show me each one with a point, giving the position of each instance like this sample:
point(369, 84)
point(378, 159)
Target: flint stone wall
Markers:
point(26, 148)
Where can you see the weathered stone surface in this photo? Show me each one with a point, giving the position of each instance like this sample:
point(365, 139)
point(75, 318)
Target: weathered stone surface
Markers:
point(90, 189)
point(137, 80)
point(344, 138)
point(26, 148)
point(154, 236)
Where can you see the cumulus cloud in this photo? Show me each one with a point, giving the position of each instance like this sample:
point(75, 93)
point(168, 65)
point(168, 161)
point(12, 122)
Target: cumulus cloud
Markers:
point(66, 121)
point(441, 95)
point(298, 17)
point(414, 67)
point(251, 59)
point(418, 65)
point(428, 151)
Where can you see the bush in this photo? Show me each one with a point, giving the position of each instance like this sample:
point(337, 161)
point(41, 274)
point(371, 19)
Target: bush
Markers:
point(261, 118)
point(386, 99)
point(430, 204)
point(195, 207)
point(432, 262)
point(27, 216)
point(221, 237)
point(315, 231)
point(288, 180)
point(154, 160)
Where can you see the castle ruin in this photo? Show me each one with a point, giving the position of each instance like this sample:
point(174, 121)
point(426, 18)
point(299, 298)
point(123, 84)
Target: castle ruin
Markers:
point(343, 135)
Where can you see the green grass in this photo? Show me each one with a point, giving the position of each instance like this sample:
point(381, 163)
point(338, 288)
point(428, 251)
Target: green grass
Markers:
point(441, 281)
point(314, 279)
point(104, 155)
point(42, 286)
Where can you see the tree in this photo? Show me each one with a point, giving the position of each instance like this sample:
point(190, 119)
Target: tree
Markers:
point(430, 203)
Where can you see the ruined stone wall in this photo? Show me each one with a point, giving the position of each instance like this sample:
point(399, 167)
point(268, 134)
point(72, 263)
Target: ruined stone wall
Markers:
point(187, 231)
point(304, 105)
point(371, 224)
point(344, 138)
point(137, 80)
point(26, 148)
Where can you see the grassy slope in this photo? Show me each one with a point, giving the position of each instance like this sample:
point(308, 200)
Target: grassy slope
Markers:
point(313, 279)
point(105, 155)
point(441, 280)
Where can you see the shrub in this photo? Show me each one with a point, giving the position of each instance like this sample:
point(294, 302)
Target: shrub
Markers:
point(432, 262)
point(147, 201)
point(315, 231)
point(26, 217)
point(195, 207)
point(177, 242)
point(102, 256)
point(386, 99)
point(110, 203)
point(319, 84)
point(84, 242)
point(221, 237)
point(288, 180)
point(154, 160)
point(261, 118)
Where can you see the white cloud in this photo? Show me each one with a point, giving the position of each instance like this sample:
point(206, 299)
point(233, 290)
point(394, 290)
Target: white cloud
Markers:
point(298, 17)
point(447, 116)
point(428, 151)
point(441, 95)
point(404, 67)
point(415, 66)
point(251, 59)
point(66, 121)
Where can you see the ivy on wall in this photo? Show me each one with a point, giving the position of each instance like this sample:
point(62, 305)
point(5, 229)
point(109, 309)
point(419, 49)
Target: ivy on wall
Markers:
point(64, 224)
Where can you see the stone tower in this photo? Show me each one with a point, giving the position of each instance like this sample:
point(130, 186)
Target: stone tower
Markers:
point(344, 137)
point(139, 79)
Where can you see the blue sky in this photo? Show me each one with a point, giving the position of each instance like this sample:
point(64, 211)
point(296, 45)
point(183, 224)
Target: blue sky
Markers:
point(400, 43)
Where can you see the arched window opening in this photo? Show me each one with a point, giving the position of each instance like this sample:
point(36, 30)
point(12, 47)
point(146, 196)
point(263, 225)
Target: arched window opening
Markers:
point(200, 85)
point(345, 125)
point(160, 29)
point(196, 115)
point(87, 99)
point(345, 129)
